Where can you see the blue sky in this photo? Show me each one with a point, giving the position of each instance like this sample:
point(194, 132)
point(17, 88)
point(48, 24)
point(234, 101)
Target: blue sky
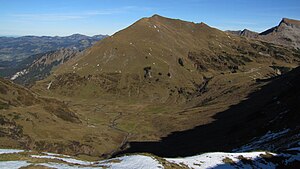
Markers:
point(90, 17)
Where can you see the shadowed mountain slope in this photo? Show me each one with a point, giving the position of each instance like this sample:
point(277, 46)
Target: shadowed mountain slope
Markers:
point(271, 109)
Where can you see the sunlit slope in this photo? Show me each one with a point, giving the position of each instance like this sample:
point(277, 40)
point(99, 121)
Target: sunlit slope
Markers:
point(160, 59)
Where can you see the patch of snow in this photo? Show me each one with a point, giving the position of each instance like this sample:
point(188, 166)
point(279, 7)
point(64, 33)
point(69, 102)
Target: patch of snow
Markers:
point(295, 148)
point(68, 160)
point(19, 74)
point(252, 70)
point(154, 26)
point(291, 158)
point(132, 162)
point(13, 164)
point(49, 85)
point(56, 155)
point(211, 160)
point(257, 142)
point(10, 151)
point(253, 78)
point(207, 160)
point(263, 54)
point(63, 166)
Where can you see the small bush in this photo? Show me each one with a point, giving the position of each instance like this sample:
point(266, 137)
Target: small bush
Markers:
point(4, 105)
point(228, 160)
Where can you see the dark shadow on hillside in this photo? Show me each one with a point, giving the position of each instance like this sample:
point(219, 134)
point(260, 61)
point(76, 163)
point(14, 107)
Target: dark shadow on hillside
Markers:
point(235, 126)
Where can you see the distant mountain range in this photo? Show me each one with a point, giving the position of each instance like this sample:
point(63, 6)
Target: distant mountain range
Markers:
point(18, 48)
point(38, 67)
point(287, 33)
point(30, 58)
point(247, 33)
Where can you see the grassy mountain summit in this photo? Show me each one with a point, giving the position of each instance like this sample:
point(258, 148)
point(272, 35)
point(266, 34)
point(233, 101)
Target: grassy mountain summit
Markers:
point(163, 59)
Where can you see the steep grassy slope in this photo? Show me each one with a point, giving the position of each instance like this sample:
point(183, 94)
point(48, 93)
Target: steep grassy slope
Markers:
point(29, 121)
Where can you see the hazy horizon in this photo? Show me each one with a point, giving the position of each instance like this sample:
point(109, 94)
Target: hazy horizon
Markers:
point(94, 17)
point(15, 36)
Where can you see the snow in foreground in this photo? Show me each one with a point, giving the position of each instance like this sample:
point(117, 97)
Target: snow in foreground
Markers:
point(133, 161)
point(224, 160)
point(124, 162)
point(10, 151)
point(207, 160)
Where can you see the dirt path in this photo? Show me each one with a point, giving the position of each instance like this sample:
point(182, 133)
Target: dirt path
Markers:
point(113, 125)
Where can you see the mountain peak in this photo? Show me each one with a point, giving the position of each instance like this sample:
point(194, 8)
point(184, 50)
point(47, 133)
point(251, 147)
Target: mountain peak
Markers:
point(248, 33)
point(246, 30)
point(77, 35)
point(288, 21)
point(156, 16)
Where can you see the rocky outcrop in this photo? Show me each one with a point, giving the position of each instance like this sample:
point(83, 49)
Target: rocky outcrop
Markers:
point(286, 33)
